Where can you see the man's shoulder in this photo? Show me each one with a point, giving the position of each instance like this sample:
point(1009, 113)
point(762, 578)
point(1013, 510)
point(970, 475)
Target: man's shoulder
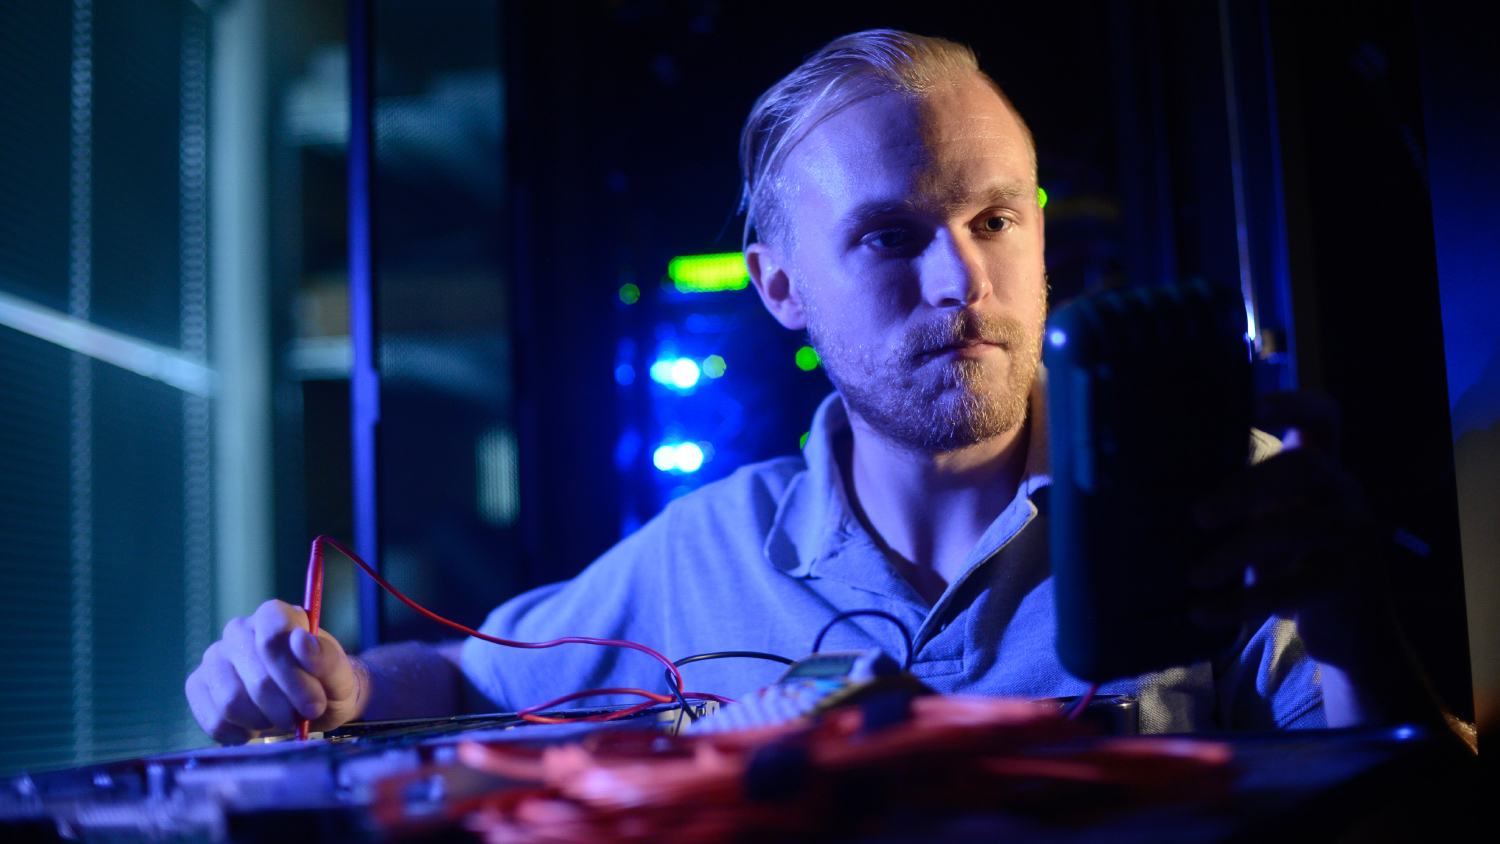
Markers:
point(728, 519)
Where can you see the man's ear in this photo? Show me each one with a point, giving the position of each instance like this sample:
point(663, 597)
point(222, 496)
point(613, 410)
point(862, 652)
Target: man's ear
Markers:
point(772, 279)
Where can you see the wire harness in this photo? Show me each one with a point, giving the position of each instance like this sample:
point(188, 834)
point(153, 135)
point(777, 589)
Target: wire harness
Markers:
point(313, 604)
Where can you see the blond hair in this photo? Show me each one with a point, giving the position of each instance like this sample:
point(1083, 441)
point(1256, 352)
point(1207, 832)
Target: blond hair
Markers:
point(844, 72)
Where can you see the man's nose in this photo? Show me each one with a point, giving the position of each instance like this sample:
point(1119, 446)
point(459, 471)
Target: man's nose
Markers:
point(953, 274)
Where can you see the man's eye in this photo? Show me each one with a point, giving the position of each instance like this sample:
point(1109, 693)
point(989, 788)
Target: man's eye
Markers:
point(890, 238)
point(993, 224)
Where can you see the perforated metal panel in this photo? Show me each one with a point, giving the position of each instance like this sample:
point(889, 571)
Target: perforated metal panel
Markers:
point(104, 475)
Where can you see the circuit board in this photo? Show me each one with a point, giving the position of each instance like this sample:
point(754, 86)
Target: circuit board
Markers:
point(322, 787)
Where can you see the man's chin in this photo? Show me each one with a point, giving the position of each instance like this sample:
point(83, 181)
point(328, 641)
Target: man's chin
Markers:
point(946, 420)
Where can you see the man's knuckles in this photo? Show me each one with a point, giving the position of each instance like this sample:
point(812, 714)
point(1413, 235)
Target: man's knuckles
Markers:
point(237, 630)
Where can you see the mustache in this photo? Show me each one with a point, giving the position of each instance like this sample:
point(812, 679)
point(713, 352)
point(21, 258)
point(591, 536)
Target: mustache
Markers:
point(964, 328)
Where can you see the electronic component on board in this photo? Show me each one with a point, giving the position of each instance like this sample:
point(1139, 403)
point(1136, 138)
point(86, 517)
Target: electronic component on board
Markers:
point(810, 686)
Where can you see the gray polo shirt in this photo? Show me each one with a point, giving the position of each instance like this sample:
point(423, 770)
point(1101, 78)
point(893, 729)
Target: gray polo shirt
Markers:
point(765, 557)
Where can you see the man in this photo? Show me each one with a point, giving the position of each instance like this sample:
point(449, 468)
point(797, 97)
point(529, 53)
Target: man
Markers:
point(893, 188)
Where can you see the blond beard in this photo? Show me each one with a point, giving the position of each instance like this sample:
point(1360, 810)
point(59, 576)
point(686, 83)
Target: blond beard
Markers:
point(926, 411)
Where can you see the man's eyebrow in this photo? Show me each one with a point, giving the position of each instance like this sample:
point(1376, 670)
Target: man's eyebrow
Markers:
point(1006, 192)
point(876, 209)
point(867, 211)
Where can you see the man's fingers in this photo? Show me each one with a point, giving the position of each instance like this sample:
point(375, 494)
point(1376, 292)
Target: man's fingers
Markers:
point(1316, 417)
point(268, 696)
point(209, 716)
point(326, 660)
point(212, 702)
point(302, 692)
point(232, 698)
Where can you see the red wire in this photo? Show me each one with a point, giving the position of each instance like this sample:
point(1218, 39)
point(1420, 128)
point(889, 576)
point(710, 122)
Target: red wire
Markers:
point(1083, 702)
point(313, 603)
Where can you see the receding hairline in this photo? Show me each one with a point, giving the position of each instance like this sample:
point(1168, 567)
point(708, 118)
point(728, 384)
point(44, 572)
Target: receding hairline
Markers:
point(782, 186)
point(847, 71)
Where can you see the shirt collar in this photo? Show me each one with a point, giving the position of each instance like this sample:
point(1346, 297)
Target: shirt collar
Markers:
point(813, 518)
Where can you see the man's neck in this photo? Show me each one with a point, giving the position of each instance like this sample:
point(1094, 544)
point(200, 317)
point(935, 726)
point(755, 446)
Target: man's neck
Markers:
point(927, 511)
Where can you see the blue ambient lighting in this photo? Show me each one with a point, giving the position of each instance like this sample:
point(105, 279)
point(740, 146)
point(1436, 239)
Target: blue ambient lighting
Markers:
point(624, 375)
point(1056, 337)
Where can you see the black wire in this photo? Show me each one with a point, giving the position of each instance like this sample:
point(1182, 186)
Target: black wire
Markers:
point(905, 634)
point(681, 701)
point(725, 654)
point(677, 692)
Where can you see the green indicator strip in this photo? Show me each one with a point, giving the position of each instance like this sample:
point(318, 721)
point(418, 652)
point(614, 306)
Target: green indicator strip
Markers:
point(709, 273)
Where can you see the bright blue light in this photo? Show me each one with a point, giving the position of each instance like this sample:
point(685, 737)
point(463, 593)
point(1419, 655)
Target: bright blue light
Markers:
point(1056, 337)
point(677, 373)
point(689, 457)
point(624, 375)
point(679, 457)
point(661, 372)
point(684, 373)
point(1403, 733)
point(665, 458)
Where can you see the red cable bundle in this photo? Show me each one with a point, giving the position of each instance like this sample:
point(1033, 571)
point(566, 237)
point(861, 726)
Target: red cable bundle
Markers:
point(794, 780)
point(313, 604)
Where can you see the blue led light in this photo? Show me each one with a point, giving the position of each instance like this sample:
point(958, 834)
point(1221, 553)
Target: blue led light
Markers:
point(684, 374)
point(665, 458)
point(624, 375)
point(684, 458)
point(689, 457)
point(678, 373)
point(1056, 337)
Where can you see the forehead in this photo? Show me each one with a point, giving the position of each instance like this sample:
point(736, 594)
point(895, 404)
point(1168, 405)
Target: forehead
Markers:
point(953, 145)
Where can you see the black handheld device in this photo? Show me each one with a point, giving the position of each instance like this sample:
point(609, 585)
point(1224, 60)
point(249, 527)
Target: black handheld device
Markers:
point(1149, 406)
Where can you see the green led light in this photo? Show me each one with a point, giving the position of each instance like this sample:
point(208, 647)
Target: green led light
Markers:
point(713, 366)
point(630, 294)
point(807, 359)
point(708, 273)
point(1041, 198)
point(802, 443)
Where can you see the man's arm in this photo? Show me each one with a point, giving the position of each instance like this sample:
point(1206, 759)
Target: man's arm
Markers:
point(268, 672)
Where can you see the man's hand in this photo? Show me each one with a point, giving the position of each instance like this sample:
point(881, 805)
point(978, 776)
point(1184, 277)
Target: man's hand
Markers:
point(268, 672)
point(1296, 539)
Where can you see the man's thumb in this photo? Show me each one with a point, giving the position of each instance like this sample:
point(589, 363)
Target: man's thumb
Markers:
point(310, 652)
